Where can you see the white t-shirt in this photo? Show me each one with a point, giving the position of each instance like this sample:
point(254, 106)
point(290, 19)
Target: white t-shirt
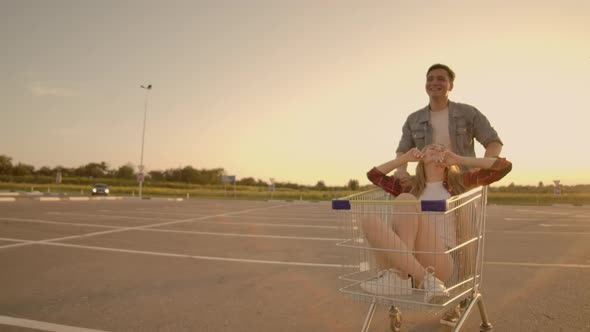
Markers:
point(434, 191)
point(443, 224)
point(440, 127)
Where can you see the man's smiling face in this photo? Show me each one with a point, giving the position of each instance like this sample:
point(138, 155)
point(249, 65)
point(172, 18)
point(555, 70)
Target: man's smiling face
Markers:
point(438, 83)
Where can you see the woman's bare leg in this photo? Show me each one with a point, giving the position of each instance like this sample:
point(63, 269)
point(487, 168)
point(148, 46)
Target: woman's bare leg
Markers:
point(429, 241)
point(405, 224)
point(398, 238)
point(369, 225)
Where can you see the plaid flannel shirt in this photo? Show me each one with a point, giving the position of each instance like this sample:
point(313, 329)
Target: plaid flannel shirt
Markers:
point(471, 179)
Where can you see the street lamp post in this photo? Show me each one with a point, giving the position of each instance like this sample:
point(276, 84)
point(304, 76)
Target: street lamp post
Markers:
point(140, 175)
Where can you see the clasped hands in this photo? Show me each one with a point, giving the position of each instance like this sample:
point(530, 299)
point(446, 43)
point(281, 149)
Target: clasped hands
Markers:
point(444, 157)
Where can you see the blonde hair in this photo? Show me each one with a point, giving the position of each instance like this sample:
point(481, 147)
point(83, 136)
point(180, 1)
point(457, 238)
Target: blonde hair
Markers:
point(453, 175)
point(465, 256)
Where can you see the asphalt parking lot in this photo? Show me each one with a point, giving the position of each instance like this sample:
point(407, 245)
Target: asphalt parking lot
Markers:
point(231, 265)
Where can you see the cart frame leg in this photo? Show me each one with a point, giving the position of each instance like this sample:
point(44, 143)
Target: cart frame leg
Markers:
point(369, 317)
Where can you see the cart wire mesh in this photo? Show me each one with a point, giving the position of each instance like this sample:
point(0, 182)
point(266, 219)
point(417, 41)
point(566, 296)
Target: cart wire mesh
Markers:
point(390, 241)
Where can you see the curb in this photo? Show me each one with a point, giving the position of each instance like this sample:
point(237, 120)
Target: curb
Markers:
point(79, 198)
point(49, 199)
point(149, 198)
point(107, 198)
point(73, 198)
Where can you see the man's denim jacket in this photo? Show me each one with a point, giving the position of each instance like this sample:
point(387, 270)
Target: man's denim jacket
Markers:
point(465, 124)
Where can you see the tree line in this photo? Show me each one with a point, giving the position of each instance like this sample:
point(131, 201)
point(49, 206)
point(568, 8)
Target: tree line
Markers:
point(187, 174)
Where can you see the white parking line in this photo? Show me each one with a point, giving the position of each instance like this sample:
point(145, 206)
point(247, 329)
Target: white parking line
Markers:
point(562, 225)
point(268, 225)
point(258, 261)
point(179, 231)
point(525, 264)
point(539, 232)
point(544, 212)
point(117, 230)
point(105, 216)
point(44, 326)
point(210, 258)
point(14, 240)
point(540, 219)
point(144, 211)
point(250, 216)
point(289, 218)
point(245, 235)
point(295, 216)
point(39, 221)
point(188, 214)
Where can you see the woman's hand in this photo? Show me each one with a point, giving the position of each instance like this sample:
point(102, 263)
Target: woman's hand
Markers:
point(450, 158)
point(413, 155)
point(401, 160)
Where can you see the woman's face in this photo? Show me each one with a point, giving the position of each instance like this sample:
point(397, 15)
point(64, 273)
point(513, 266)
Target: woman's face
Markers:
point(434, 153)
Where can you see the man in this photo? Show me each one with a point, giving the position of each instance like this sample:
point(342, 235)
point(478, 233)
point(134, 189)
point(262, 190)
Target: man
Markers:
point(454, 125)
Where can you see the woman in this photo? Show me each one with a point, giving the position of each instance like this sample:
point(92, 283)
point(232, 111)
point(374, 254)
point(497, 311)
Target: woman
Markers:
point(438, 177)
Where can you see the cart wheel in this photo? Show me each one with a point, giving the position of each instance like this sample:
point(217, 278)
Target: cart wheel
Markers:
point(486, 327)
point(395, 316)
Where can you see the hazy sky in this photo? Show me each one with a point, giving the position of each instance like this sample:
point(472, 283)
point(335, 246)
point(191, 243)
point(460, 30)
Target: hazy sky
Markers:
point(296, 90)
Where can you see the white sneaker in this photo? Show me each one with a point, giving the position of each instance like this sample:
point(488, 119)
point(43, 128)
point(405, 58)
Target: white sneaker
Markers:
point(433, 286)
point(387, 282)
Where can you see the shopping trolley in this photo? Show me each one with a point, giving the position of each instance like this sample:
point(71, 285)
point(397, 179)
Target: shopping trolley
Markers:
point(458, 222)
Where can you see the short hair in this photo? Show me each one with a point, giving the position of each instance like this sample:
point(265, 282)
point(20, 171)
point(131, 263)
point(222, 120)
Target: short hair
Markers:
point(445, 68)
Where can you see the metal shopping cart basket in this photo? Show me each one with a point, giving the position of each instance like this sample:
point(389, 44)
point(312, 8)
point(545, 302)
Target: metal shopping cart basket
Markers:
point(457, 222)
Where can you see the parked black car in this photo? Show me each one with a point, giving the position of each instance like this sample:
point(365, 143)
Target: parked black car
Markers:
point(100, 189)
